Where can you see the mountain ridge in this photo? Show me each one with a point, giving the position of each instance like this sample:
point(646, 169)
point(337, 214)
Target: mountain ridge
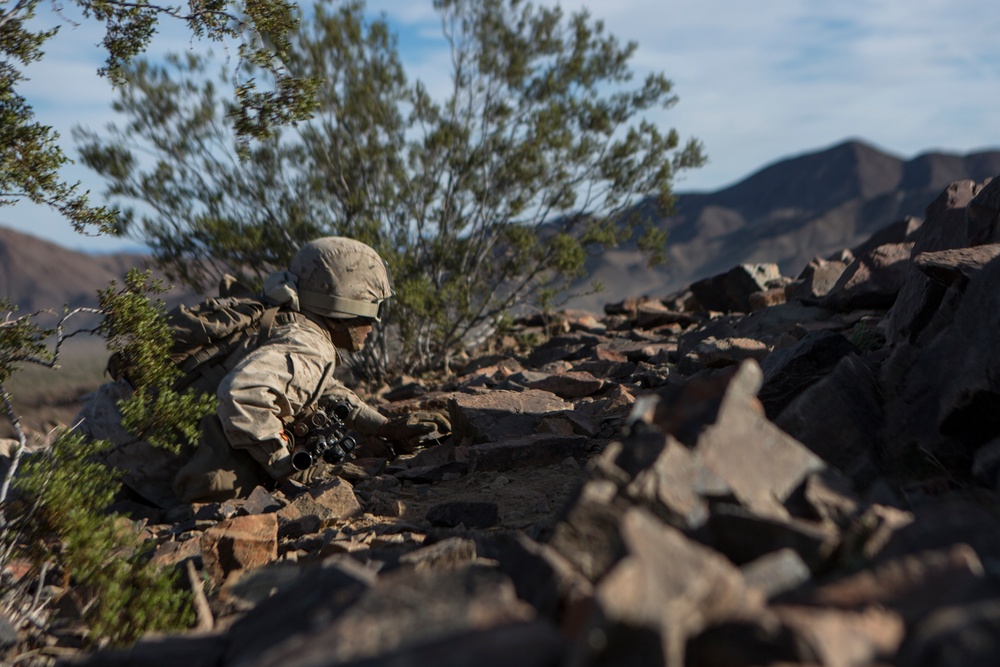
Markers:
point(788, 212)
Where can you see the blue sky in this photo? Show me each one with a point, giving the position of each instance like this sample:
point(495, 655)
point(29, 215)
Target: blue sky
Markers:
point(757, 81)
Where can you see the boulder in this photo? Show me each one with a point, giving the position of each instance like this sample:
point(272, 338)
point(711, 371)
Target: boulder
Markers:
point(405, 612)
point(730, 292)
point(529, 450)
point(944, 228)
point(501, 414)
point(816, 280)
point(674, 602)
point(872, 280)
point(240, 543)
point(758, 461)
point(946, 400)
point(789, 371)
point(839, 419)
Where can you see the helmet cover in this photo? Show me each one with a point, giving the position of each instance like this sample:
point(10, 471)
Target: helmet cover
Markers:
point(341, 278)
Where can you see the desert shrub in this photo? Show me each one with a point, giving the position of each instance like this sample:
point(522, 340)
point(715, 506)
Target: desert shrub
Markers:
point(136, 330)
point(66, 490)
point(484, 199)
point(53, 502)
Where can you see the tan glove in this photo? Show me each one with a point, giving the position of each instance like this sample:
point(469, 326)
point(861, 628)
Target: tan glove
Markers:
point(411, 427)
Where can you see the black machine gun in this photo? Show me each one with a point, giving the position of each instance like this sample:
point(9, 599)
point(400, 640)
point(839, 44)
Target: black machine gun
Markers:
point(322, 434)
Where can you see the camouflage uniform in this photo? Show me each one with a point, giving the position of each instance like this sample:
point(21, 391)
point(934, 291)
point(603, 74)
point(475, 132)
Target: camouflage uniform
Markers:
point(242, 445)
point(331, 282)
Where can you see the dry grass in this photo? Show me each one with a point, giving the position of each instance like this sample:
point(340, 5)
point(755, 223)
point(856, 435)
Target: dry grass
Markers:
point(46, 398)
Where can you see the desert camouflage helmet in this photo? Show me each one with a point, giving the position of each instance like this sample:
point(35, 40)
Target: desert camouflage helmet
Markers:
point(341, 278)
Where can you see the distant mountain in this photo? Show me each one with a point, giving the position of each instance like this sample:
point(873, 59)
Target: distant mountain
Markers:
point(38, 274)
point(787, 213)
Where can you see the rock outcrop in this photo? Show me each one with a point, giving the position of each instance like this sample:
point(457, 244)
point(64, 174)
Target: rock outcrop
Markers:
point(804, 475)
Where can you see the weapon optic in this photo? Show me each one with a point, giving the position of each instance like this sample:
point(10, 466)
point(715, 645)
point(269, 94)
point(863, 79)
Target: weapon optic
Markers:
point(322, 434)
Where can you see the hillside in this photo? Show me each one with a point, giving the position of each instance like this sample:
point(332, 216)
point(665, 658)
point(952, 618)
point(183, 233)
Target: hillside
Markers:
point(813, 482)
point(788, 213)
point(37, 274)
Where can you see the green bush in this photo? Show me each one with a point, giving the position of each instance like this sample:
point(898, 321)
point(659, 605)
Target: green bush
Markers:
point(62, 492)
point(136, 330)
point(103, 556)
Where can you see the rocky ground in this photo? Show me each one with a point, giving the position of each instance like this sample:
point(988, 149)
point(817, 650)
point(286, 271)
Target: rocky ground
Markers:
point(759, 470)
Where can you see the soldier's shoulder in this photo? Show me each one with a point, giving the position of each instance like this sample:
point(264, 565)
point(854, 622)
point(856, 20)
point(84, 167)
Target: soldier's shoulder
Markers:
point(299, 333)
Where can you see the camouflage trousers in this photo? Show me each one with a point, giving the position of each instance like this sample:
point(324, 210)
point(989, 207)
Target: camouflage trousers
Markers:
point(212, 471)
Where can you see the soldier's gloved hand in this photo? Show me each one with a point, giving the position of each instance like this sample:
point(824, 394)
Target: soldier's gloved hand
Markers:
point(407, 428)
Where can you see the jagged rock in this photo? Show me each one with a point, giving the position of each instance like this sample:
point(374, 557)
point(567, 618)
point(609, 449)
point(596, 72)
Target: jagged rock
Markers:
point(776, 572)
point(291, 614)
point(568, 346)
point(607, 368)
point(531, 450)
point(568, 423)
point(839, 418)
point(866, 538)
point(240, 543)
point(405, 390)
point(673, 602)
point(589, 536)
point(829, 497)
point(792, 317)
point(903, 230)
point(958, 266)
point(501, 414)
point(743, 536)
point(569, 385)
point(954, 636)
point(816, 280)
point(872, 280)
point(774, 296)
point(173, 552)
point(616, 401)
point(760, 463)
point(433, 473)
point(447, 553)
point(714, 353)
point(403, 610)
point(471, 514)
point(677, 484)
point(749, 642)
point(942, 525)
point(542, 576)
point(260, 501)
point(653, 313)
point(912, 585)
point(246, 589)
point(730, 292)
point(944, 228)
point(703, 534)
point(947, 398)
point(982, 216)
point(318, 507)
point(216, 511)
point(489, 364)
point(839, 637)
point(789, 371)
